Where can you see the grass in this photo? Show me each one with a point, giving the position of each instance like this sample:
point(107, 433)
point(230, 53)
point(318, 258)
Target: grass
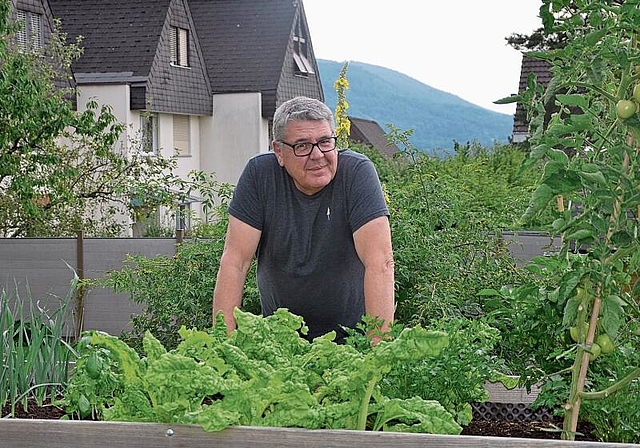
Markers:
point(34, 349)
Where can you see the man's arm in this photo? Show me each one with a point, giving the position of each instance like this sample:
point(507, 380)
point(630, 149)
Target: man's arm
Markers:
point(373, 245)
point(239, 248)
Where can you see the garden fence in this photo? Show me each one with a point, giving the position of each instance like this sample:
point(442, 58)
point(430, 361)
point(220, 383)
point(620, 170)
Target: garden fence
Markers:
point(42, 270)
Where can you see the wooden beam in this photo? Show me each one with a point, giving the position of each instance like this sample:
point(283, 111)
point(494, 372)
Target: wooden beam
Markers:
point(23, 433)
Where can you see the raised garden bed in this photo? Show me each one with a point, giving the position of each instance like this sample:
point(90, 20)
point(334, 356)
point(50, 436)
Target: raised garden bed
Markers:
point(18, 433)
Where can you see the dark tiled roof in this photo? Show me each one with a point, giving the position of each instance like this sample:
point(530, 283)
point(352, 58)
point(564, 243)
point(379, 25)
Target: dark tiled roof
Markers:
point(370, 133)
point(543, 76)
point(120, 36)
point(244, 42)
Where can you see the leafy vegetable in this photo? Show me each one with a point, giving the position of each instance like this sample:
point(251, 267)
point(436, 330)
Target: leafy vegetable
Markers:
point(263, 374)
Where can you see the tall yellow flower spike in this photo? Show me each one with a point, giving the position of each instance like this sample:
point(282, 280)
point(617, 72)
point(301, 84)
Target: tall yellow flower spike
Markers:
point(343, 125)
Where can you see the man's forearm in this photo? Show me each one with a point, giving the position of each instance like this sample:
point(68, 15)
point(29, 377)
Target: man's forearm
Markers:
point(227, 294)
point(379, 293)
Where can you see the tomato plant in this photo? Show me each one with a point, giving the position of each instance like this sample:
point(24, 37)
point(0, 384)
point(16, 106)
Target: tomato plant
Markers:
point(591, 149)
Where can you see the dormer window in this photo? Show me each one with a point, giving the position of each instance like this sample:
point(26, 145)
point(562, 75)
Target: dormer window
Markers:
point(179, 43)
point(301, 50)
point(30, 35)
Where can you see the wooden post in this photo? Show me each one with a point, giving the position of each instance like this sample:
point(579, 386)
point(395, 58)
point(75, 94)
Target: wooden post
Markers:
point(80, 289)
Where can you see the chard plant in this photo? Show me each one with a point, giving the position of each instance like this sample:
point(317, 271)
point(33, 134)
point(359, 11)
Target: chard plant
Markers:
point(586, 127)
point(263, 374)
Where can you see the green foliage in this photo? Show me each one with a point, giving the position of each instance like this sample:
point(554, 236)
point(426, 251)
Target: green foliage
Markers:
point(263, 374)
point(614, 415)
point(34, 350)
point(616, 418)
point(447, 216)
point(176, 290)
point(59, 167)
point(457, 377)
point(590, 156)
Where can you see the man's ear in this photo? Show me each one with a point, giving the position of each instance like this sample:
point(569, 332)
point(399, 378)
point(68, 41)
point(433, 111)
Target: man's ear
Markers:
point(277, 149)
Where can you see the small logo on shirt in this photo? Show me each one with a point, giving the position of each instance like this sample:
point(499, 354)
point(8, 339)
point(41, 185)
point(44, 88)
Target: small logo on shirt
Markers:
point(328, 214)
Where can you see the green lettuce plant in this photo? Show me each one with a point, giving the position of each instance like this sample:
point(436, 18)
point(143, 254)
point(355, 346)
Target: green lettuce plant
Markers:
point(263, 374)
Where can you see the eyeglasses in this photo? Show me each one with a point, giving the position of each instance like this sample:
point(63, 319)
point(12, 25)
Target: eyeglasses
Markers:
point(304, 149)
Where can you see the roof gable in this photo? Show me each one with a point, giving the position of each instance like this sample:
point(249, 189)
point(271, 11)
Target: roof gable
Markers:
point(244, 42)
point(370, 133)
point(129, 42)
point(542, 70)
point(119, 36)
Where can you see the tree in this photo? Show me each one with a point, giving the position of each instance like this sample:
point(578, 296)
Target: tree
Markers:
point(61, 170)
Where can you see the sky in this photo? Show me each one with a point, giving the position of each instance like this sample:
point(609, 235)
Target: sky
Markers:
point(457, 46)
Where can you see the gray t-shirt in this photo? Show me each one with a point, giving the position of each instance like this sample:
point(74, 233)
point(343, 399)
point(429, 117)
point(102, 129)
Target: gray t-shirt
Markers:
point(307, 261)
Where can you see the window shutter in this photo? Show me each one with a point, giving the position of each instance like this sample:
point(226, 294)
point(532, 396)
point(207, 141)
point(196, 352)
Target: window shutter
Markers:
point(173, 45)
point(21, 16)
point(181, 135)
point(36, 30)
point(183, 52)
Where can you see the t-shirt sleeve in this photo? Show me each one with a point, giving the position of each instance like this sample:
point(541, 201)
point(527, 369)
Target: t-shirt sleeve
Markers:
point(367, 199)
point(245, 203)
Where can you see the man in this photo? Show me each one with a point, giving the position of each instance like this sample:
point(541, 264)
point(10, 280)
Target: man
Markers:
point(316, 219)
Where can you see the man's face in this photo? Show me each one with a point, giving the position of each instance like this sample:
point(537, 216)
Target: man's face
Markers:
point(310, 173)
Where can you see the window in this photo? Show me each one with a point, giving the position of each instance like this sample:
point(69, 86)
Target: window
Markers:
point(30, 35)
point(179, 43)
point(301, 50)
point(149, 132)
point(181, 135)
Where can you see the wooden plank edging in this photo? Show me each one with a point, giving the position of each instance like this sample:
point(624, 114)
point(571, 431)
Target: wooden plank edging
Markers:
point(23, 433)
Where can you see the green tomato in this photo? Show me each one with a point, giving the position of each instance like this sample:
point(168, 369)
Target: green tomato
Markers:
point(573, 331)
point(636, 93)
point(605, 343)
point(594, 352)
point(625, 109)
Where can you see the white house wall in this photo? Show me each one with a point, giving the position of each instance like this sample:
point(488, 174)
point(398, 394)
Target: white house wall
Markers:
point(117, 97)
point(236, 132)
point(114, 95)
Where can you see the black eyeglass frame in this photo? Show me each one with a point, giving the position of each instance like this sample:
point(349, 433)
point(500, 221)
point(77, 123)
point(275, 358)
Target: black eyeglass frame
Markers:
point(295, 147)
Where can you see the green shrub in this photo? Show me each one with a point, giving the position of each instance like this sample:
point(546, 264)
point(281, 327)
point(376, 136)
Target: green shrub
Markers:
point(176, 290)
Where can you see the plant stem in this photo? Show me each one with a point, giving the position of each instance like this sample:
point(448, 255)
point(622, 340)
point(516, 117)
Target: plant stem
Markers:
point(364, 405)
point(613, 388)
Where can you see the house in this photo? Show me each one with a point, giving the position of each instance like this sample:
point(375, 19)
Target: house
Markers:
point(195, 79)
point(541, 69)
point(369, 132)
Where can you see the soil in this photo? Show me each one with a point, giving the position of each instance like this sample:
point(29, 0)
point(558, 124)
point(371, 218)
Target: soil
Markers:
point(478, 427)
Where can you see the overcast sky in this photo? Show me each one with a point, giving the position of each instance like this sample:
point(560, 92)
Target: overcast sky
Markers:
point(455, 46)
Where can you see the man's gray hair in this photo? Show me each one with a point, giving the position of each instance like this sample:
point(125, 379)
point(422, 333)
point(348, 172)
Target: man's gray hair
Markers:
point(300, 108)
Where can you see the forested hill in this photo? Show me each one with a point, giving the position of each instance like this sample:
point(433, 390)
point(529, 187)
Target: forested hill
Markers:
point(437, 118)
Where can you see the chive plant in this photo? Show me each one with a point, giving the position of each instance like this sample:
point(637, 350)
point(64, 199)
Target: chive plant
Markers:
point(35, 349)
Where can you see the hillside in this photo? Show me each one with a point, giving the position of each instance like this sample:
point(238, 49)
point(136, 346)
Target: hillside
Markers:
point(437, 118)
